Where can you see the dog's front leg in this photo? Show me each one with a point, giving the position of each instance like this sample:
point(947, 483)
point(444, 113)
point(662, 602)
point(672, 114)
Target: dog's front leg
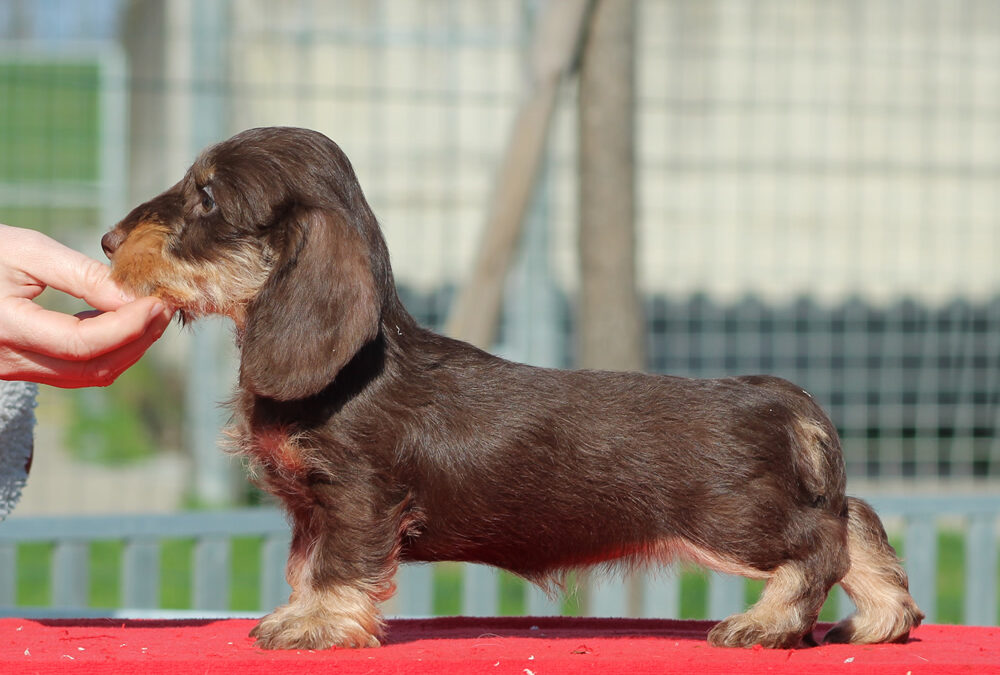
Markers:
point(334, 600)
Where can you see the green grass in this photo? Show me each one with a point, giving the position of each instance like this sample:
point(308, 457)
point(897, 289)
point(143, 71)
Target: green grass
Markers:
point(950, 578)
point(177, 578)
point(34, 574)
point(105, 571)
point(34, 571)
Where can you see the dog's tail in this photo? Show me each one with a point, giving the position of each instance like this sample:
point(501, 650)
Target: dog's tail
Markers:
point(876, 584)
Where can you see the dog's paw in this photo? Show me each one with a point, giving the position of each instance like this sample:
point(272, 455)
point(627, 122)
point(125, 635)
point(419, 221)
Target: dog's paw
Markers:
point(284, 629)
point(873, 628)
point(741, 630)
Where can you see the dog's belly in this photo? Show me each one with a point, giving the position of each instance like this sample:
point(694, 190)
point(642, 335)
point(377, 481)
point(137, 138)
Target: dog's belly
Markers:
point(538, 558)
point(545, 522)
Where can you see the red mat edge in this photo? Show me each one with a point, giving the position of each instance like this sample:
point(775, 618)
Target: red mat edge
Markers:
point(539, 646)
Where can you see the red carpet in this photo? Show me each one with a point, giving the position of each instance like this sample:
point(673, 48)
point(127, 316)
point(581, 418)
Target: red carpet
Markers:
point(525, 646)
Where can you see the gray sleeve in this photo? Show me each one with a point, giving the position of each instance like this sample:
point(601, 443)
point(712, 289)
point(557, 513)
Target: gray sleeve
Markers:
point(17, 429)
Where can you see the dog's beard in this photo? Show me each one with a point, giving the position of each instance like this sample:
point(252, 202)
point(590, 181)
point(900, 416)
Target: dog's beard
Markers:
point(222, 286)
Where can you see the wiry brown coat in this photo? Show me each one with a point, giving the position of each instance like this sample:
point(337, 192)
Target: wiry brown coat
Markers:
point(389, 443)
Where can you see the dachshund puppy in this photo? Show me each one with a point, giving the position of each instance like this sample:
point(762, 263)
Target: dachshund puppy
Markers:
point(388, 443)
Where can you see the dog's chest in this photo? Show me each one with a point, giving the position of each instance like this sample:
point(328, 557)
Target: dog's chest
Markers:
point(274, 452)
point(279, 450)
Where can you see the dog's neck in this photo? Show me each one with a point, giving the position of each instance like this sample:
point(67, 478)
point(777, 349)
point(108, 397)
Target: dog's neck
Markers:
point(375, 361)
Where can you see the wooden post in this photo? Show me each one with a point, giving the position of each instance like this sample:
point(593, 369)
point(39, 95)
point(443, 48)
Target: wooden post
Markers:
point(610, 328)
point(475, 315)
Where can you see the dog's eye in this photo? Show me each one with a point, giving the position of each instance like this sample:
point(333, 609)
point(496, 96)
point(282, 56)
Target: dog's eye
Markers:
point(207, 200)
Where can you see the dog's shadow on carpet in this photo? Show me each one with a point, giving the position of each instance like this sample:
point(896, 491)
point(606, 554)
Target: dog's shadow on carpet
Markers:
point(401, 631)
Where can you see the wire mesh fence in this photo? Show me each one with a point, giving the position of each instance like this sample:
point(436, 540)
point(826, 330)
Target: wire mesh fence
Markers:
point(816, 182)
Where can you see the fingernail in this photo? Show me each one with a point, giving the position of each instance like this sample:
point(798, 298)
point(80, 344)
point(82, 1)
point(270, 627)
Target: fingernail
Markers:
point(156, 310)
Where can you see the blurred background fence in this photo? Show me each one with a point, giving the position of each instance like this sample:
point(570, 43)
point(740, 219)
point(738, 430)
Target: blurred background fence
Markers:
point(816, 197)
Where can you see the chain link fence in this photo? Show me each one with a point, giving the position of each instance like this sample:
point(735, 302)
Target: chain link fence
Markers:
point(817, 182)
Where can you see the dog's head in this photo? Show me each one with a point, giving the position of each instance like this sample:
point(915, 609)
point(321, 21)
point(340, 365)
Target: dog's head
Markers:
point(271, 229)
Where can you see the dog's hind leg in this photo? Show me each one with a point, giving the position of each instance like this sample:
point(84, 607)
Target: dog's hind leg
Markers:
point(784, 615)
point(792, 597)
point(876, 584)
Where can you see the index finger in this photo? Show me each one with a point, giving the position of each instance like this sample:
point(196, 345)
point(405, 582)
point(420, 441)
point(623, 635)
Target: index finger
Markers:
point(65, 269)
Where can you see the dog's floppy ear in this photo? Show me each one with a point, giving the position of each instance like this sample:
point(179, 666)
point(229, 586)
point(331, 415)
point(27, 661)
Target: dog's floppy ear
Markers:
point(317, 309)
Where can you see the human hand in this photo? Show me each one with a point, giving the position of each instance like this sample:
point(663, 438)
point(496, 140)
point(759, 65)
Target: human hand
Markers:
point(89, 349)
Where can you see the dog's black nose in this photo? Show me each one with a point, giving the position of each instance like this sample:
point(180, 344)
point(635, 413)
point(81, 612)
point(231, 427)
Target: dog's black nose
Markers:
point(111, 241)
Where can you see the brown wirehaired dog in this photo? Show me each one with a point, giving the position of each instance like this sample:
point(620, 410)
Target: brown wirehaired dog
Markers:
point(389, 443)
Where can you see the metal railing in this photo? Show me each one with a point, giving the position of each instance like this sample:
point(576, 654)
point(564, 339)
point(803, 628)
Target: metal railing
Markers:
point(141, 537)
point(919, 519)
